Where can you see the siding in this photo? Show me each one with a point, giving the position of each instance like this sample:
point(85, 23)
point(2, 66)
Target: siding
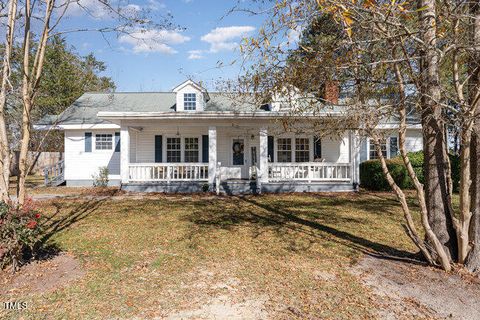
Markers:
point(142, 145)
point(81, 165)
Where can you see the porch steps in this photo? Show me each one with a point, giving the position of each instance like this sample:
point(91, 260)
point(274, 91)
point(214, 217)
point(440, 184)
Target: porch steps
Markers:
point(234, 187)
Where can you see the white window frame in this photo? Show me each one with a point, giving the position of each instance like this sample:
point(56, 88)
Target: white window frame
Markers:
point(293, 137)
point(166, 149)
point(185, 150)
point(387, 145)
point(189, 95)
point(182, 147)
point(112, 135)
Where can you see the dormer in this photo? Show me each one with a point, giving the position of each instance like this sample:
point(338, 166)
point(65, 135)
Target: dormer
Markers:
point(288, 98)
point(191, 97)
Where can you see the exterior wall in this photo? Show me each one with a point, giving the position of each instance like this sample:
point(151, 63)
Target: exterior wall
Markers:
point(200, 104)
point(81, 165)
point(142, 143)
point(413, 142)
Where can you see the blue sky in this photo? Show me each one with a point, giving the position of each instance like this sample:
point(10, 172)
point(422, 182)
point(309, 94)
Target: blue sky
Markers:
point(210, 36)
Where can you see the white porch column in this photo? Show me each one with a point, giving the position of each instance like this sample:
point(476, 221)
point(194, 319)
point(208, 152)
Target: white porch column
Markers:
point(355, 157)
point(263, 159)
point(212, 154)
point(124, 153)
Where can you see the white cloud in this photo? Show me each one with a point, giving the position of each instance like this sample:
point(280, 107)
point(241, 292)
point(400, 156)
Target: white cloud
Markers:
point(195, 55)
point(154, 40)
point(155, 5)
point(293, 35)
point(98, 10)
point(93, 8)
point(224, 38)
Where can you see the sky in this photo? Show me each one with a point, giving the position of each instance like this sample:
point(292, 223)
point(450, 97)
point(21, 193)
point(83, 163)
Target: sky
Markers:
point(207, 36)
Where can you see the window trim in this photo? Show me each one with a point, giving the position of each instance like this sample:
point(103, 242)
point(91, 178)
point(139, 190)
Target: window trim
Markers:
point(185, 150)
point(387, 145)
point(293, 137)
point(182, 146)
point(166, 148)
point(94, 142)
point(192, 94)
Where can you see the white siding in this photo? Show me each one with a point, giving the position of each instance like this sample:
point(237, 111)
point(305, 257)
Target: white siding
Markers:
point(414, 140)
point(81, 165)
point(200, 103)
point(336, 149)
point(142, 146)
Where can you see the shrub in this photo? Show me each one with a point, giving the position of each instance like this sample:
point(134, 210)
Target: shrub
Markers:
point(20, 232)
point(371, 174)
point(101, 178)
point(372, 178)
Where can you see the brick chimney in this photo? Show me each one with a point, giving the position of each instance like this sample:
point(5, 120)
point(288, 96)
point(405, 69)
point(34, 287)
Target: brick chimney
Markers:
point(331, 91)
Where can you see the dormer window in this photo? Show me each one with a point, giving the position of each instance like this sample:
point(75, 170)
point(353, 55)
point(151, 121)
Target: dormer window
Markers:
point(189, 101)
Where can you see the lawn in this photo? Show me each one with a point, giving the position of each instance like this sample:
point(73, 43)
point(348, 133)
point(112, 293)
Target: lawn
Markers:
point(271, 256)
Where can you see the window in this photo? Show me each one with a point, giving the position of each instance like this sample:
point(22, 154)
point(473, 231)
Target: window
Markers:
point(373, 149)
point(393, 147)
point(174, 152)
point(189, 101)
point(302, 150)
point(191, 149)
point(103, 142)
point(284, 150)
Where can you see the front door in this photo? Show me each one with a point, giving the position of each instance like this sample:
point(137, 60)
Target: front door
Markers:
point(238, 157)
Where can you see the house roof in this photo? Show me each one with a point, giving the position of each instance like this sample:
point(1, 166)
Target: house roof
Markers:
point(86, 108)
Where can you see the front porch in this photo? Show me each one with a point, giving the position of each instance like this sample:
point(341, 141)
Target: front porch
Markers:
point(231, 158)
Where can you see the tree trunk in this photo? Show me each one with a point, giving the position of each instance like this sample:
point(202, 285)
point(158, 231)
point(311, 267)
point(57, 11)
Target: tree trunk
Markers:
point(473, 260)
point(5, 157)
point(435, 153)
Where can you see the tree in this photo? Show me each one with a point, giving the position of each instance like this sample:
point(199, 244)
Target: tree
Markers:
point(41, 20)
point(396, 57)
point(66, 76)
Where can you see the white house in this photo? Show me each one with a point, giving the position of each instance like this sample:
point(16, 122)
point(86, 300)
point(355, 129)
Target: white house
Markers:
point(189, 140)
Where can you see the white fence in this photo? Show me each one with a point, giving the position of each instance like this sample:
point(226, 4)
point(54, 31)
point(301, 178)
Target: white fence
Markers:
point(309, 171)
point(152, 172)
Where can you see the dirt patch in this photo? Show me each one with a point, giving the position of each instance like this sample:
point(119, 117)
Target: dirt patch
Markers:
point(220, 296)
point(407, 290)
point(42, 276)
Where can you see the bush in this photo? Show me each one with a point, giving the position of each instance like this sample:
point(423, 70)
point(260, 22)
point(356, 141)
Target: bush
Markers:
point(101, 179)
point(372, 178)
point(20, 232)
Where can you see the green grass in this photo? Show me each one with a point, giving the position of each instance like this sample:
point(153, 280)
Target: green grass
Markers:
point(146, 258)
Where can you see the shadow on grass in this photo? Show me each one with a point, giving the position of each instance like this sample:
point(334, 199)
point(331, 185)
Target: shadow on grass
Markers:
point(282, 217)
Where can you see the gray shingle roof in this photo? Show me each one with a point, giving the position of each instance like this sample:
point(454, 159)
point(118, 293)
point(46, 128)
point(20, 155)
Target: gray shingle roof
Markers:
point(85, 109)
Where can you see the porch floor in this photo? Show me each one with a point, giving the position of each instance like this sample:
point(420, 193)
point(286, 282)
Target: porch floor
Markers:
point(238, 187)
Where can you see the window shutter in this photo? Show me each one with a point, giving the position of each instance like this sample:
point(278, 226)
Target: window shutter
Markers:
point(117, 141)
point(205, 148)
point(158, 148)
point(317, 148)
point(271, 151)
point(88, 142)
point(393, 147)
point(363, 150)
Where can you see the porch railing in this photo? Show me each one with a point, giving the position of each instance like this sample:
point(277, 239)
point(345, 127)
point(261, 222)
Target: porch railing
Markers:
point(309, 171)
point(152, 172)
point(54, 175)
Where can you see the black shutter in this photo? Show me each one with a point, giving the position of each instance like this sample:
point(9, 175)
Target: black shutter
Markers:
point(158, 148)
point(271, 151)
point(88, 142)
point(117, 141)
point(205, 148)
point(317, 148)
